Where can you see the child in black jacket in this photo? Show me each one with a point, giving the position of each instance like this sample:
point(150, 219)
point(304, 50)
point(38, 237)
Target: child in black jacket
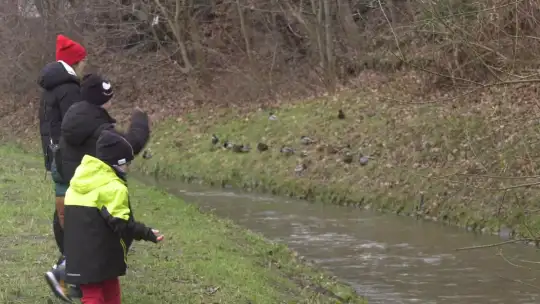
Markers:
point(98, 220)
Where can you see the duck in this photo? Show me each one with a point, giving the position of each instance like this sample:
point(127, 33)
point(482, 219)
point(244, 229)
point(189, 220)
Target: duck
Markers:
point(341, 115)
point(347, 158)
point(364, 160)
point(241, 148)
point(147, 154)
point(227, 145)
point(300, 169)
point(246, 148)
point(215, 139)
point(306, 140)
point(262, 147)
point(287, 150)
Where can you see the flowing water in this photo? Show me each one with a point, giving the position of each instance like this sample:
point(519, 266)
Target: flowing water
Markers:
point(388, 259)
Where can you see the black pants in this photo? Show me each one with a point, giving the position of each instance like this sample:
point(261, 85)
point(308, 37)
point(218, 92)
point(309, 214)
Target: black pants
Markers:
point(58, 233)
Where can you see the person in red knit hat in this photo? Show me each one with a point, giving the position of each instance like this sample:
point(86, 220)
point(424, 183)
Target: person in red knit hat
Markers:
point(60, 81)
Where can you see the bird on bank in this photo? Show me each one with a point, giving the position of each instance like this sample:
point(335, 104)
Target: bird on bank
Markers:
point(215, 139)
point(364, 160)
point(147, 154)
point(262, 147)
point(241, 148)
point(347, 158)
point(246, 148)
point(287, 150)
point(306, 140)
point(341, 115)
point(271, 116)
point(227, 145)
point(300, 169)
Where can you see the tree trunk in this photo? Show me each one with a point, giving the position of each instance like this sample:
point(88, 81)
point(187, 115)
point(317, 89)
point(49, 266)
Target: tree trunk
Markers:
point(330, 64)
point(244, 30)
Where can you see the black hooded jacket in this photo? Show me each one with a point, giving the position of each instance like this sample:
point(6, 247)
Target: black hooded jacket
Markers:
point(61, 89)
point(81, 128)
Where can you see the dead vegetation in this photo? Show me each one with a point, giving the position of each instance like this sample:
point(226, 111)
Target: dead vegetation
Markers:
point(177, 53)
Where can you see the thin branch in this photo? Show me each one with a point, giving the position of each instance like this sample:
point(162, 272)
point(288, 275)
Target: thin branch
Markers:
point(492, 245)
point(402, 55)
point(519, 186)
point(530, 262)
point(520, 282)
point(510, 262)
point(497, 176)
point(174, 25)
point(469, 13)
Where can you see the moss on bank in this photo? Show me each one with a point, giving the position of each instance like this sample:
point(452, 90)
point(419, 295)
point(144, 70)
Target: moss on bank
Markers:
point(202, 260)
point(438, 161)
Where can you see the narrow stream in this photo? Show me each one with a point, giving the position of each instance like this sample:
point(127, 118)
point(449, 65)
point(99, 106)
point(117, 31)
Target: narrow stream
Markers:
point(387, 258)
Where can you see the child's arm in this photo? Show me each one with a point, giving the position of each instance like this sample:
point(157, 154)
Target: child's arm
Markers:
point(138, 131)
point(117, 214)
point(137, 134)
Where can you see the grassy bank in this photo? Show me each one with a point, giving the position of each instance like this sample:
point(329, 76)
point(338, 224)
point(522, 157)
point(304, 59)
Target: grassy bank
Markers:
point(203, 260)
point(465, 158)
point(460, 161)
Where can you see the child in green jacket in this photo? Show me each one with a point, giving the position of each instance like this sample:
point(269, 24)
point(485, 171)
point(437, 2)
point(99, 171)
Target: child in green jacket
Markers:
point(98, 220)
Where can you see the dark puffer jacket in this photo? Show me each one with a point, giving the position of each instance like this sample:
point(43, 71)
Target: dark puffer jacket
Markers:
point(81, 128)
point(61, 90)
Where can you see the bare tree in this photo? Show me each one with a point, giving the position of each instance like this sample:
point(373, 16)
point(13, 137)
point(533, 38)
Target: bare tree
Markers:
point(176, 25)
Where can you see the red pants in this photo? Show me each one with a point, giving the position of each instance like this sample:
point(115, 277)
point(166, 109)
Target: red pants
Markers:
point(106, 292)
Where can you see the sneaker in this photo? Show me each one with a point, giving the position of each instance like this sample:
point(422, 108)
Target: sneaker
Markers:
point(55, 278)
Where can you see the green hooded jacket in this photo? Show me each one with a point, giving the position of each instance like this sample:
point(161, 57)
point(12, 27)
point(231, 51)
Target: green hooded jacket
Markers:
point(98, 220)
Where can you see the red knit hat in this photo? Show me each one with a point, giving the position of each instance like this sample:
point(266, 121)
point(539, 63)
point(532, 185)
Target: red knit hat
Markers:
point(69, 51)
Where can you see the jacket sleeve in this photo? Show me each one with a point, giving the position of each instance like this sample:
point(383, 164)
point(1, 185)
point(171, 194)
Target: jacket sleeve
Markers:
point(71, 96)
point(138, 132)
point(118, 216)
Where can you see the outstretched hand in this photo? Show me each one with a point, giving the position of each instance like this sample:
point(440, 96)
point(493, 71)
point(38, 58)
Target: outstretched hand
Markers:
point(159, 237)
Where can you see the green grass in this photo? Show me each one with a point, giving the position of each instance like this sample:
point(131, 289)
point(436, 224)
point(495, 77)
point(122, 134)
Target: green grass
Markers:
point(202, 260)
point(447, 151)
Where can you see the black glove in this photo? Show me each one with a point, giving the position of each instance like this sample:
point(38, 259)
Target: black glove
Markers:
point(150, 236)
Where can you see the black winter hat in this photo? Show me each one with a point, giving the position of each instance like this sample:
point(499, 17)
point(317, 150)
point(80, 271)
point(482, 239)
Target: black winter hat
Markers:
point(96, 89)
point(113, 149)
